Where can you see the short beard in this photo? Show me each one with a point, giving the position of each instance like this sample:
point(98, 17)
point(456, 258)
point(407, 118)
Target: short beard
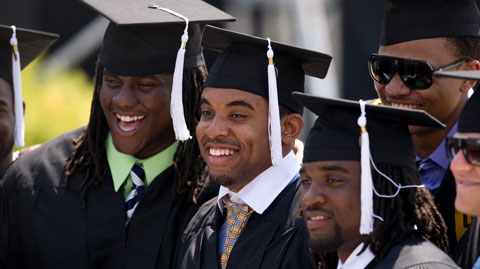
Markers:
point(327, 244)
point(223, 180)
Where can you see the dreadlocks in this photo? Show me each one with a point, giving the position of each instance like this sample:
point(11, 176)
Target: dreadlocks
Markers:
point(411, 212)
point(90, 155)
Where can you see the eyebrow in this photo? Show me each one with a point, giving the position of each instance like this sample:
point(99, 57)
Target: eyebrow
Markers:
point(240, 103)
point(233, 103)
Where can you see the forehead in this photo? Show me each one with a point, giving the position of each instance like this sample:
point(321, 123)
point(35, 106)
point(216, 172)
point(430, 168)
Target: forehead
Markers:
point(432, 50)
point(224, 96)
point(347, 167)
point(6, 90)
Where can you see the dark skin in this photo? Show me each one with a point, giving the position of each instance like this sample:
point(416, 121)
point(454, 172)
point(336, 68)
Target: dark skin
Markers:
point(7, 122)
point(137, 110)
point(331, 205)
point(233, 136)
point(444, 99)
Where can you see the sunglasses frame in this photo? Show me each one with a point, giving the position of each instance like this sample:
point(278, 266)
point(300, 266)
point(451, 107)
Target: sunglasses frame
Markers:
point(454, 142)
point(405, 60)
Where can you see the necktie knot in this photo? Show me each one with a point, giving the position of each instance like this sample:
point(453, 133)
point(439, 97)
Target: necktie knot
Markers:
point(137, 176)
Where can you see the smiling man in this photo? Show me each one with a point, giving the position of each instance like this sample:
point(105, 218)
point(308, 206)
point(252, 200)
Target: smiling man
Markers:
point(418, 38)
point(31, 44)
point(253, 222)
point(379, 219)
point(117, 193)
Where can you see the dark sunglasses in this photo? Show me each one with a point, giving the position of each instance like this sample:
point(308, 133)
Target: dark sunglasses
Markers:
point(470, 148)
point(415, 74)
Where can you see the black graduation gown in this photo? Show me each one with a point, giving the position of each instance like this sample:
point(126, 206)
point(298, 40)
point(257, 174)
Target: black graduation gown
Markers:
point(275, 239)
point(415, 252)
point(43, 225)
point(466, 250)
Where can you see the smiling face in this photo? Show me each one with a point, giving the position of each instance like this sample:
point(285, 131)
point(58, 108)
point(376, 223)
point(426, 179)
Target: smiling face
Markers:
point(7, 122)
point(467, 178)
point(331, 205)
point(443, 100)
point(233, 137)
point(137, 110)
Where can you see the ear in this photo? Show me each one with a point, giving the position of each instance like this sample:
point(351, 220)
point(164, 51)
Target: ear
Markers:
point(468, 84)
point(292, 125)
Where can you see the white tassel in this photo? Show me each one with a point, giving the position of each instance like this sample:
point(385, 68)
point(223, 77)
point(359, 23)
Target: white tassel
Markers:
point(366, 194)
point(176, 101)
point(274, 128)
point(17, 91)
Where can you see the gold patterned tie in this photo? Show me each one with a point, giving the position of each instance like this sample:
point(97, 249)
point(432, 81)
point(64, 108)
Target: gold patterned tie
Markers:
point(237, 217)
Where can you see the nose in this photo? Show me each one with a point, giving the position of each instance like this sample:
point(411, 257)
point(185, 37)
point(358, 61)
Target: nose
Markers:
point(313, 196)
point(125, 96)
point(396, 88)
point(459, 164)
point(216, 127)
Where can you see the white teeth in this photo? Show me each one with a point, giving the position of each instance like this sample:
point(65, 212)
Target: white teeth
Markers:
point(220, 152)
point(129, 118)
point(405, 106)
point(318, 218)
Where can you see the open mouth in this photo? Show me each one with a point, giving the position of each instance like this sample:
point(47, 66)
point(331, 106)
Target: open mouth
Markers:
point(129, 123)
point(405, 106)
point(218, 152)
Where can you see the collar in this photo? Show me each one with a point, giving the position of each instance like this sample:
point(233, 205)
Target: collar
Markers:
point(121, 164)
point(263, 189)
point(357, 261)
point(439, 156)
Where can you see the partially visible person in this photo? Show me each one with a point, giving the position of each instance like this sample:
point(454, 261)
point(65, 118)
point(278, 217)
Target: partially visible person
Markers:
point(30, 44)
point(363, 196)
point(118, 192)
point(418, 38)
point(253, 222)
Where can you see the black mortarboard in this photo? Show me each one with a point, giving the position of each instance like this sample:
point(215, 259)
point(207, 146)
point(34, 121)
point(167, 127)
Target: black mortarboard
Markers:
point(335, 134)
point(148, 37)
point(406, 20)
point(242, 64)
point(469, 120)
point(19, 47)
point(141, 40)
point(31, 44)
point(350, 130)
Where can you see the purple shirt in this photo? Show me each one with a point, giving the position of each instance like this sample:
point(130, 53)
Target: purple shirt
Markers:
point(433, 168)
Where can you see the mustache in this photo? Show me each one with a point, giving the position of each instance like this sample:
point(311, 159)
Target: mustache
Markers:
point(316, 208)
point(224, 141)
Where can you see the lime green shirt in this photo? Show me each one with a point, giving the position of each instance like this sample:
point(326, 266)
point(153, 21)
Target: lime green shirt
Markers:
point(121, 164)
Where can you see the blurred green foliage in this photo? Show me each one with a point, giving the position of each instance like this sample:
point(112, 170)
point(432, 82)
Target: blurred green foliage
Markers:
point(56, 101)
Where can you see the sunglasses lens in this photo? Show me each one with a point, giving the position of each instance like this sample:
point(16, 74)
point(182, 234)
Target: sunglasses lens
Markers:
point(381, 69)
point(415, 75)
point(453, 146)
point(473, 151)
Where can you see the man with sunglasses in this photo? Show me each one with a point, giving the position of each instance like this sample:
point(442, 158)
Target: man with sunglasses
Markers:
point(419, 38)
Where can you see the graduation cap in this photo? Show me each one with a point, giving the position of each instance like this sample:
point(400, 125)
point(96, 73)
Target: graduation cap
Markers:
point(406, 20)
point(383, 132)
point(267, 68)
point(469, 120)
point(147, 37)
point(19, 47)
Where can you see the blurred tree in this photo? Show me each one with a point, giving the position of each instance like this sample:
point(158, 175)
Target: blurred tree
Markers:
point(56, 101)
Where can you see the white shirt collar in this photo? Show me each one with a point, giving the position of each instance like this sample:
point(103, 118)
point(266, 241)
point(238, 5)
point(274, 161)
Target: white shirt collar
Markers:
point(263, 189)
point(353, 261)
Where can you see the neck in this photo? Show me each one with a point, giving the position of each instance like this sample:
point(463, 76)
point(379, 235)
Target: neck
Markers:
point(425, 142)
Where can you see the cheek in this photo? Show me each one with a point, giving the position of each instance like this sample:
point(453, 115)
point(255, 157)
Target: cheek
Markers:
point(380, 88)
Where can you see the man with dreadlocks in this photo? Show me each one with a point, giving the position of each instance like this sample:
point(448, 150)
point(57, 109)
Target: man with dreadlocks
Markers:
point(378, 218)
point(116, 193)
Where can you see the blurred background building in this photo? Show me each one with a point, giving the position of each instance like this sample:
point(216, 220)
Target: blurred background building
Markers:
point(58, 88)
